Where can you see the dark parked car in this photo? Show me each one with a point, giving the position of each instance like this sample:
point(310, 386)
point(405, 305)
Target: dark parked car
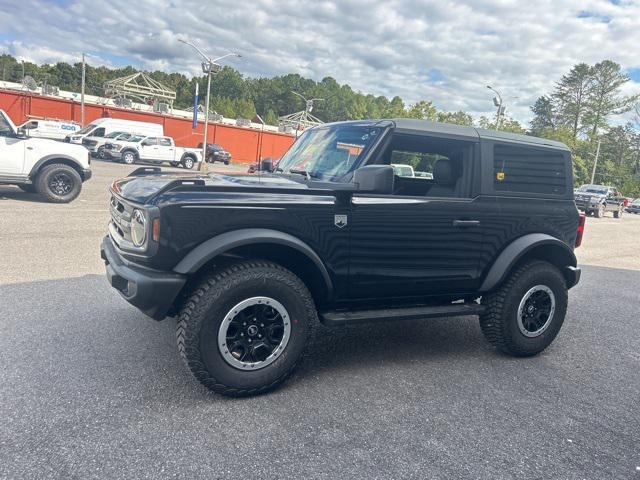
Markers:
point(249, 263)
point(215, 153)
point(598, 199)
point(634, 207)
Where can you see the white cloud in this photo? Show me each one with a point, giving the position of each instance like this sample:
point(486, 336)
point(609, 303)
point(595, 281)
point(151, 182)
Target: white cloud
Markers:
point(444, 51)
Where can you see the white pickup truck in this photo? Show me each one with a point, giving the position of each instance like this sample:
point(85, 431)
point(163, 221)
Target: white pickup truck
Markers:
point(153, 149)
point(53, 169)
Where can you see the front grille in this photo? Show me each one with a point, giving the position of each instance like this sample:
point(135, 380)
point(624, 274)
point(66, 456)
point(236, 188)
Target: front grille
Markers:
point(89, 143)
point(121, 218)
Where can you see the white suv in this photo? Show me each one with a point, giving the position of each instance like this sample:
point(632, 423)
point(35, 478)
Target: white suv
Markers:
point(55, 170)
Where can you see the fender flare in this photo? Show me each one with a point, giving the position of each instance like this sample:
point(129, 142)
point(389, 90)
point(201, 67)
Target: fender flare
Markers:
point(222, 243)
point(130, 149)
point(56, 156)
point(520, 247)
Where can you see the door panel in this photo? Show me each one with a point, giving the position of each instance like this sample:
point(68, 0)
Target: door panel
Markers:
point(166, 150)
point(410, 246)
point(148, 152)
point(12, 152)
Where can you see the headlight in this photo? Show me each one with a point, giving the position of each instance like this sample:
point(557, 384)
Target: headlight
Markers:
point(138, 228)
point(117, 148)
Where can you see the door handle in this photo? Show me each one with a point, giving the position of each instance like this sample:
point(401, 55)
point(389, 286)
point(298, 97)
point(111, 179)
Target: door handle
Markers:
point(29, 148)
point(466, 223)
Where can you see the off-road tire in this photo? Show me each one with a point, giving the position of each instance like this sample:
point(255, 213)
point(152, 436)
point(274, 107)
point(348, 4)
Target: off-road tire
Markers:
point(188, 162)
point(226, 162)
point(499, 322)
point(617, 213)
point(129, 157)
point(202, 314)
point(100, 153)
point(599, 212)
point(47, 175)
point(29, 188)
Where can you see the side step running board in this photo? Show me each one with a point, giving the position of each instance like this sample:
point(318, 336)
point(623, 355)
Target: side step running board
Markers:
point(340, 318)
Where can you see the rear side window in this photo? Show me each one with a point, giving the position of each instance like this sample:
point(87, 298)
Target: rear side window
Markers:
point(528, 170)
point(165, 142)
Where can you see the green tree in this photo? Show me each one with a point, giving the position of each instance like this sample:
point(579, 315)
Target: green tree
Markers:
point(457, 118)
point(423, 110)
point(604, 98)
point(544, 116)
point(570, 97)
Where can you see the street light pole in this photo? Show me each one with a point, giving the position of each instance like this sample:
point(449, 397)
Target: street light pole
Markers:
point(207, 66)
point(82, 94)
point(202, 166)
point(595, 164)
point(499, 112)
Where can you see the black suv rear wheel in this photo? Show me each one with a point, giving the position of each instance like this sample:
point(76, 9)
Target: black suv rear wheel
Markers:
point(526, 313)
point(245, 326)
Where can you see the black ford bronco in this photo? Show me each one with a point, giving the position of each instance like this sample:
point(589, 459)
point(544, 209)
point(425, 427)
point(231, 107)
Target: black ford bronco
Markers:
point(249, 263)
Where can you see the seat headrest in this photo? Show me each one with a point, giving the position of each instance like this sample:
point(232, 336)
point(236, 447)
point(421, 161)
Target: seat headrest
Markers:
point(444, 174)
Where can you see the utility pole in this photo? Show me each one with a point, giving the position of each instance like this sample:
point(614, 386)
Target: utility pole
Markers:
point(82, 94)
point(595, 164)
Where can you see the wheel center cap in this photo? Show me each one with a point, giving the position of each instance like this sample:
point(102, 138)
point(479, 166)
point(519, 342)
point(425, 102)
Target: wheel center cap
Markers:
point(252, 330)
point(531, 308)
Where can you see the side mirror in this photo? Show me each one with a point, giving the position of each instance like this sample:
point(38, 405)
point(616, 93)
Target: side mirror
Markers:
point(374, 179)
point(266, 165)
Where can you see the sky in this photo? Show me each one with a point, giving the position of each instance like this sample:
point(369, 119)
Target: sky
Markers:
point(445, 51)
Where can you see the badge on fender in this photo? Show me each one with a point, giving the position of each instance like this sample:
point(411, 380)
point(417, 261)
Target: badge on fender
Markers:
point(340, 221)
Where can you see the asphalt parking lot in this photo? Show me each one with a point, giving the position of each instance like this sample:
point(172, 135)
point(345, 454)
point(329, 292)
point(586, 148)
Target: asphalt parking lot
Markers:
point(91, 388)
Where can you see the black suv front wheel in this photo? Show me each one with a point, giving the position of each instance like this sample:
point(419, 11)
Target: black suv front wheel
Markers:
point(526, 313)
point(244, 327)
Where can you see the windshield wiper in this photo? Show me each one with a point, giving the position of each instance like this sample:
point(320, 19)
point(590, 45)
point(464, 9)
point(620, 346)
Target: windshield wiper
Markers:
point(303, 172)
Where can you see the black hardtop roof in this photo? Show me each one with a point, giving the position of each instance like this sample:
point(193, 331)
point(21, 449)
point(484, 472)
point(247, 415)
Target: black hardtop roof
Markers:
point(461, 132)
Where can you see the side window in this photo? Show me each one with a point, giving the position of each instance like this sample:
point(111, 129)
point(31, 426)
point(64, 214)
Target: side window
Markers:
point(429, 166)
point(528, 170)
point(165, 142)
point(98, 132)
point(149, 141)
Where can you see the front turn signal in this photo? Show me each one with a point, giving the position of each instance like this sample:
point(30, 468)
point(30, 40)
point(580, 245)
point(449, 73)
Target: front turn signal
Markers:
point(155, 230)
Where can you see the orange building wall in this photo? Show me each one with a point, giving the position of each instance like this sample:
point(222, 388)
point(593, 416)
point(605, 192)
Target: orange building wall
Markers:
point(246, 145)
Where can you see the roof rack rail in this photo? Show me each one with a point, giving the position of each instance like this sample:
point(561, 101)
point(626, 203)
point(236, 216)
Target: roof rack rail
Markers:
point(142, 171)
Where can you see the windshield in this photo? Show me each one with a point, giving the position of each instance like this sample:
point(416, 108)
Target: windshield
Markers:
point(86, 129)
point(113, 135)
point(5, 127)
point(330, 152)
point(593, 189)
point(135, 138)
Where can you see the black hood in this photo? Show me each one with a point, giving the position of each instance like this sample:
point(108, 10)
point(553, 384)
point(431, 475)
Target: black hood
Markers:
point(141, 189)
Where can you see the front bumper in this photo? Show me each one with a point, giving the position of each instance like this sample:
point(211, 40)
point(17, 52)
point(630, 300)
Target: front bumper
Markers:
point(151, 291)
point(114, 154)
point(86, 174)
point(586, 205)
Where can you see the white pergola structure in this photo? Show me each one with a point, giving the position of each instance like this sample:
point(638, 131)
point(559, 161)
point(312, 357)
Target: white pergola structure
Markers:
point(140, 87)
point(303, 119)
